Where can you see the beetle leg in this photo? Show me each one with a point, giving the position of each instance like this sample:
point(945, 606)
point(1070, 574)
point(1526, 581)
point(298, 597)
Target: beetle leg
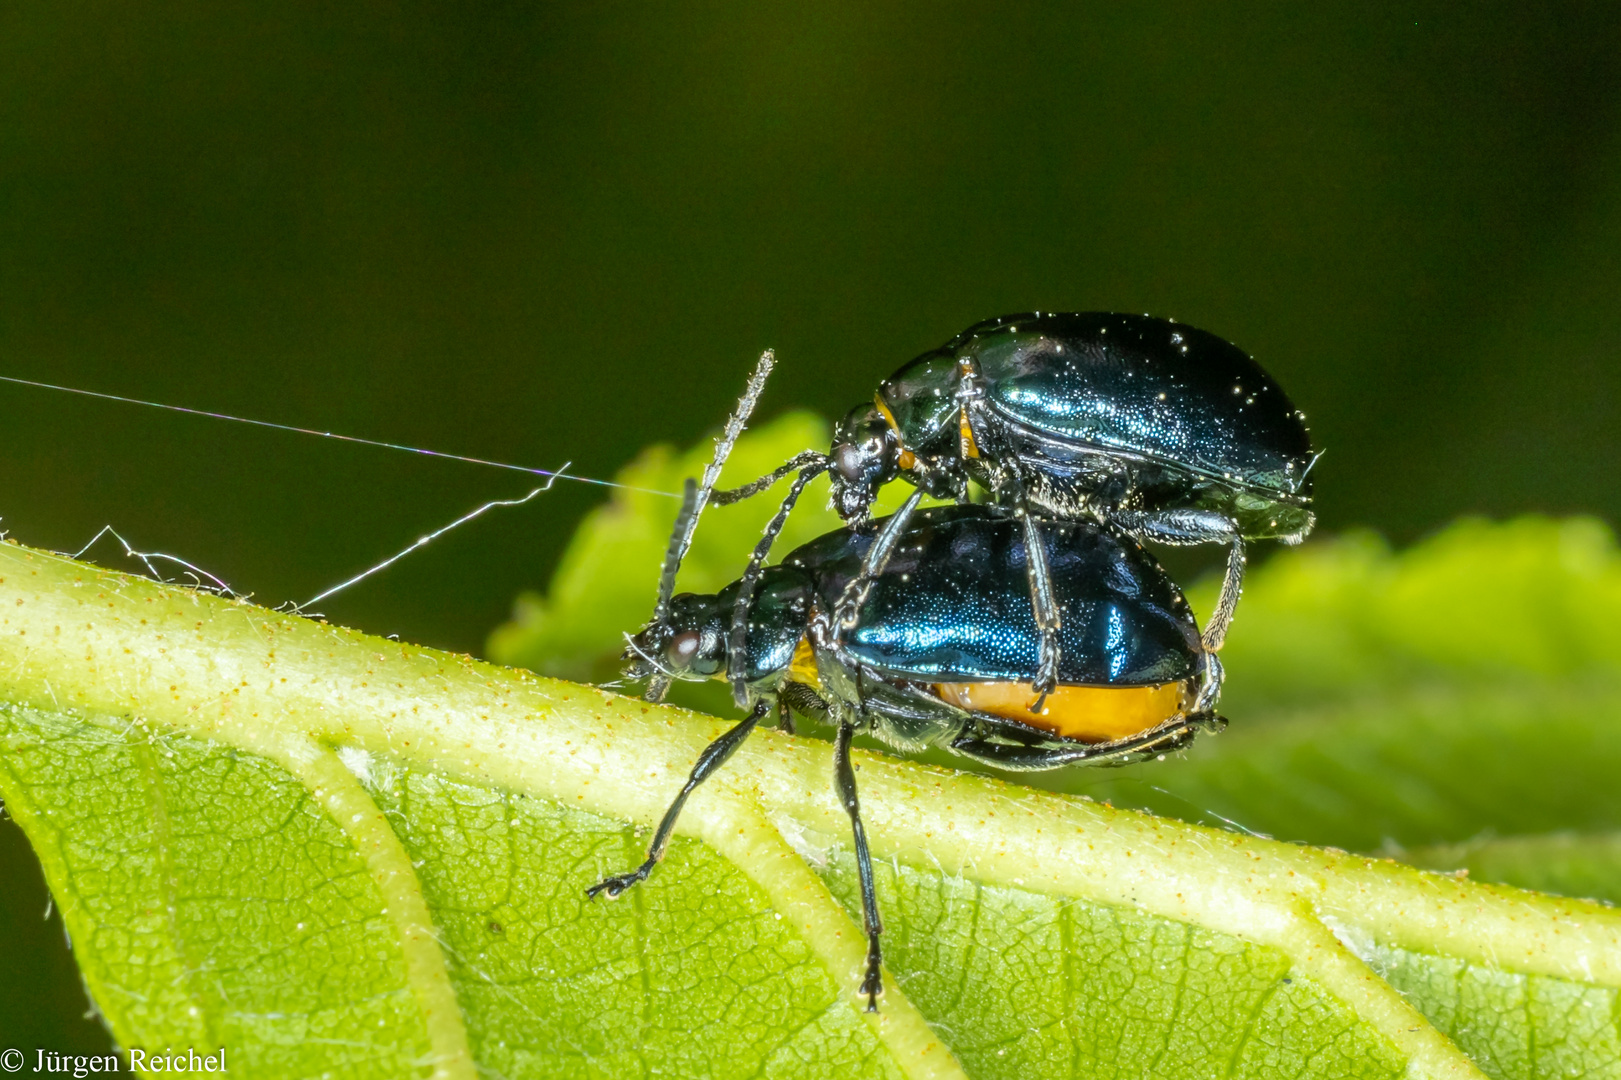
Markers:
point(737, 643)
point(1041, 758)
point(713, 757)
point(1045, 605)
point(844, 778)
point(803, 700)
point(1179, 528)
point(1210, 680)
point(878, 556)
point(1185, 527)
point(785, 716)
point(1232, 583)
point(1042, 601)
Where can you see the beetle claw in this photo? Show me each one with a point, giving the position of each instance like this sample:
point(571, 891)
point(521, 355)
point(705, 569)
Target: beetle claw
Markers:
point(873, 987)
point(1046, 680)
point(615, 886)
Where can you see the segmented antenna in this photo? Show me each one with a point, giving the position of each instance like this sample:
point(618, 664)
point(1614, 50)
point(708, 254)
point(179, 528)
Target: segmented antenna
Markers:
point(687, 523)
point(659, 684)
point(754, 487)
point(679, 538)
point(738, 640)
point(694, 497)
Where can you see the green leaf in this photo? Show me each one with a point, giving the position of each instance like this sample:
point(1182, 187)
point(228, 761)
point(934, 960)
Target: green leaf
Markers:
point(328, 852)
point(1568, 863)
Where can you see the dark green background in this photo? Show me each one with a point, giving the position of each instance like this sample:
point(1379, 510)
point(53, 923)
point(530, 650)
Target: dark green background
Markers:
point(539, 233)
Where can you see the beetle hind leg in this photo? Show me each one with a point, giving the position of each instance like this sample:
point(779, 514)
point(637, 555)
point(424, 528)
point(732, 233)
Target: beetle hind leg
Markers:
point(1187, 527)
point(1037, 757)
point(1232, 584)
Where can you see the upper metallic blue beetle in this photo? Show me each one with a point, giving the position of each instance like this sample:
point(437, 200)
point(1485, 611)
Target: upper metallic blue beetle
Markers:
point(1156, 429)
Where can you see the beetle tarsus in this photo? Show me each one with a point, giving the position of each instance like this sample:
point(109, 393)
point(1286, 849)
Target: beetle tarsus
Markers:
point(848, 613)
point(615, 886)
point(873, 985)
point(1046, 680)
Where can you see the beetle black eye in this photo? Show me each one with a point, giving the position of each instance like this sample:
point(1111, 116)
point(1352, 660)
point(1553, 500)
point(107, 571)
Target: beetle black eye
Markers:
point(850, 460)
point(682, 648)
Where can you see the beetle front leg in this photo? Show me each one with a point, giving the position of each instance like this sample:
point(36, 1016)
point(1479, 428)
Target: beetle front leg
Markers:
point(883, 546)
point(1042, 601)
point(713, 757)
point(844, 781)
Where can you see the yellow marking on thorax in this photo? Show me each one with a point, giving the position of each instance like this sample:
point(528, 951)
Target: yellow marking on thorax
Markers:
point(803, 669)
point(1092, 714)
point(970, 449)
point(907, 458)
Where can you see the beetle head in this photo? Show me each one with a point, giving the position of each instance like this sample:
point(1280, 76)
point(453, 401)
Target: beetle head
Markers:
point(866, 455)
point(687, 643)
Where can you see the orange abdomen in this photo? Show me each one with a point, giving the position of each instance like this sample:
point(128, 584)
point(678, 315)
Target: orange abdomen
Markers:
point(1088, 713)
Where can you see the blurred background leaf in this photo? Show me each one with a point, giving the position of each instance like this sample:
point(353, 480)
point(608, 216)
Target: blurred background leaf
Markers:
point(542, 234)
point(1455, 704)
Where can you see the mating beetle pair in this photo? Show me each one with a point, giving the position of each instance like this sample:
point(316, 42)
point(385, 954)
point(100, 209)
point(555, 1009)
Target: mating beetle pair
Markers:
point(1028, 634)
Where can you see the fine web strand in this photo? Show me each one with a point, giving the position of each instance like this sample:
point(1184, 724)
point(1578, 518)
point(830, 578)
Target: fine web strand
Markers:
point(147, 558)
point(425, 540)
point(555, 475)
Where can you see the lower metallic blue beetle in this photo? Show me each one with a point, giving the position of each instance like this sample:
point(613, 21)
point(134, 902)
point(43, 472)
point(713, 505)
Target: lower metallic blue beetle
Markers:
point(941, 654)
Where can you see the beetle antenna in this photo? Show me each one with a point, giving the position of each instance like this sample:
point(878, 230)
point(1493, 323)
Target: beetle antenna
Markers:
point(737, 643)
point(673, 553)
point(693, 499)
point(660, 681)
point(753, 488)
